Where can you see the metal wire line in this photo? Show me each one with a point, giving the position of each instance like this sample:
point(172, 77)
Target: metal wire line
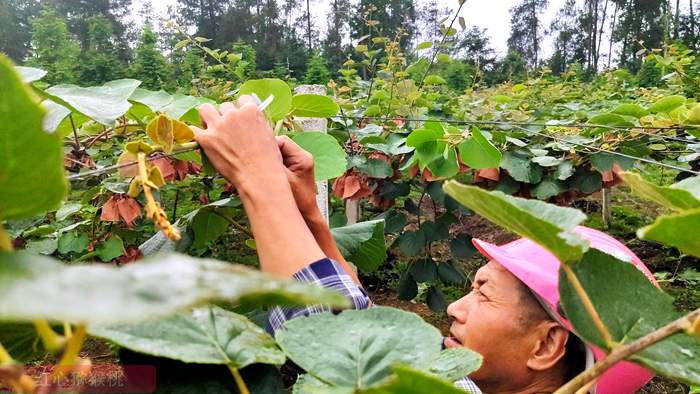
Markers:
point(108, 169)
point(638, 129)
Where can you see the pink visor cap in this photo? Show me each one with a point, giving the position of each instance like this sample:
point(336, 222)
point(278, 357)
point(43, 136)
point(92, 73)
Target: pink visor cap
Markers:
point(538, 269)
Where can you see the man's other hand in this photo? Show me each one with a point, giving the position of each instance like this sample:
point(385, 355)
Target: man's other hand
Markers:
point(300, 173)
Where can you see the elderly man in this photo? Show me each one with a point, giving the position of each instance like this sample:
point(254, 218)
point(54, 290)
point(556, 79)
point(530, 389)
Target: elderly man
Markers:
point(511, 316)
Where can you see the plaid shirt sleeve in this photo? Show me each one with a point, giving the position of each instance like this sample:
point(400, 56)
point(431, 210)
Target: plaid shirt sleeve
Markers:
point(326, 273)
point(468, 385)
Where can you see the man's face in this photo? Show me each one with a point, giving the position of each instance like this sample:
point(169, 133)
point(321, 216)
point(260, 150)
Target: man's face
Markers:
point(489, 321)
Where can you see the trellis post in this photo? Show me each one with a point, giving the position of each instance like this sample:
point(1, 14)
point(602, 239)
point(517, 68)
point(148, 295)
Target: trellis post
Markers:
point(316, 124)
point(606, 206)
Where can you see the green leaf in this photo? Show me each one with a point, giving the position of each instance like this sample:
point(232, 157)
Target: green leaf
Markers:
point(681, 196)
point(521, 169)
point(28, 186)
point(462, 247)
point(110, 249)
point(455, 363)
point(336, 348)
point(667, 104)
point(604, 161)
point(208, 226)
point(548, 188)
point(207, 335)
point(362, 243)
point(634, 110)
point(585, 181)
point(30, 74)
point(36, 287)
point(413, 381)
point(155, 101)
point(376, 168)
point(313, 106)
point(445, 166)
point(307, 384)
point(408, 288)
point(546, 224)
point(564, 170)
point(608, 119)
point(424, 45)
point(448, 273)
point(477, 152)
point(547, 161)
point(424, 270)
point(679, 231)
point(411, 242)
point(71, 242)
point(393, 146)
point(330, 159)
point(434, 79)
point(263, 88)
point(617, 289)
point(435, 300)
point(67, 210)
point(22, 342)
point(104, 104)
point(42, 246)
point(180, 105)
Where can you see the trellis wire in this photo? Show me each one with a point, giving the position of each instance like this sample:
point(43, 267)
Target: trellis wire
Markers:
point(108, 169)
point(521, 124)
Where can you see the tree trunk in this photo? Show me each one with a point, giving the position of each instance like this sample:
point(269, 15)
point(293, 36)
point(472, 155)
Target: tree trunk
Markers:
point(612, 31)
point(535, 23)
point(600, 36)
point(676, 19)
point(692, 26)
point(308, 23)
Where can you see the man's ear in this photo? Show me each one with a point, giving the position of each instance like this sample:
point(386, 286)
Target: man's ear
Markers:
point(549, 347)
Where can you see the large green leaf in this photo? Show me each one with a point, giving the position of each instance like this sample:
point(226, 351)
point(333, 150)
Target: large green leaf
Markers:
point(679, 230)
point(180, 105)
point(208, 226)
point(667, 104)
point(546, 224)
point(617, 289)
point(357, 348)
point(155, 101)
point(31, 173)
point(521, 169)
point(21, 341)
point(30, 74)
point(455, 363)
point(330, 159)
point(263, 88)
point(409, 380)
point(478, 152)
point(313, 106)
point(362, 243)
point(680, 196)
point(37, 287)
point(103, 104)
point(630, 110)
point(206, 335)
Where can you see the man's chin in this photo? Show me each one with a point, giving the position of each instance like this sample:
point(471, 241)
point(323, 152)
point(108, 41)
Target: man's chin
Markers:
point(452, 342)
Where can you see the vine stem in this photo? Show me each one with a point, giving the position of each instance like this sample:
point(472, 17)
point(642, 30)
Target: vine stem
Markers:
point(588, 305)
point(72, 350)
point(5, 241)
point(5, 357)
point(242, 388)
point(622, 352)
point(49, 338)
point(237, 225)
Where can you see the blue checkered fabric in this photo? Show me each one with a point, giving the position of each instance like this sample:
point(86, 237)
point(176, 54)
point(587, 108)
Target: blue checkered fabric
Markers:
point(329, 274)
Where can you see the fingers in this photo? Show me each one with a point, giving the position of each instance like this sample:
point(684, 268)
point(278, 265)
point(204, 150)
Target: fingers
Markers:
point(226, 107)
point(245, 100)
point(293, 154)
point(208, 114)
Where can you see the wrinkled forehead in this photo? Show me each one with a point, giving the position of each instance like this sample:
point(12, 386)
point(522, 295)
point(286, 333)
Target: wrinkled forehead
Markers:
point(498, 275)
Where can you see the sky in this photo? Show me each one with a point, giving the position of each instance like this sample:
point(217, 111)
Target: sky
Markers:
point(489, 14)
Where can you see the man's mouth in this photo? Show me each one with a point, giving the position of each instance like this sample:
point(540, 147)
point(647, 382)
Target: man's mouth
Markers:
point(452, 341)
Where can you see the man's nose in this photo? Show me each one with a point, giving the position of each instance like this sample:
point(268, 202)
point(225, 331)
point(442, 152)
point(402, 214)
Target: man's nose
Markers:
point(459, 310)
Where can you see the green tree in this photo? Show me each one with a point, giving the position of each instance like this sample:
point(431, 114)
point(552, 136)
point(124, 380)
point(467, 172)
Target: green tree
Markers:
point(206, 16)
point(333, 49)
point(15, 27)
point(54, 49)
point(639, 24)
point(512, 68)
point(248, 56)
point(150, 65)
point(99, 62)
point(568, 41)
point(459, 75)
point(389, 16)
point(525, 30)
point(317, 72)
